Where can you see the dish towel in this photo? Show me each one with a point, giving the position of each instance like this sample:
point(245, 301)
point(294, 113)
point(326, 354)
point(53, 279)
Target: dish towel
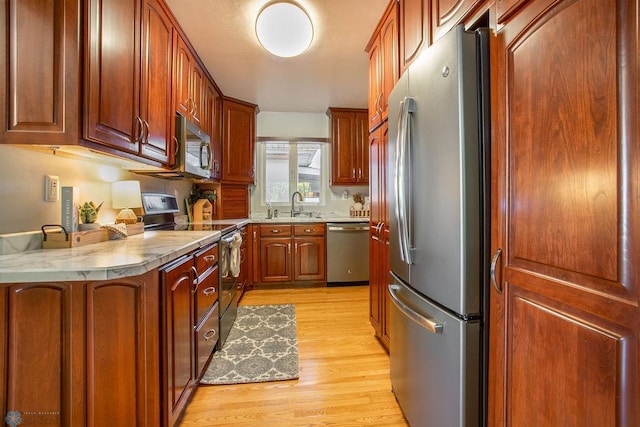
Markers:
point(234, 264)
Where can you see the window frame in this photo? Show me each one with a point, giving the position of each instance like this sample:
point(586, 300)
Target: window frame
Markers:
point(324, 168)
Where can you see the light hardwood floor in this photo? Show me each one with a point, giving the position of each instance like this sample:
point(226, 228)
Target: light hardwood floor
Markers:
point(344, 370)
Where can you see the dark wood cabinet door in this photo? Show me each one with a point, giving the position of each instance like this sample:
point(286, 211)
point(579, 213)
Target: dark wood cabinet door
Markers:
point(255, 253)
point(390, 61)
point(177, 282)
point(213, 128)
point(375, 82)
point(376, 166)
point(506, 8)
point(310, 258)
point(38, 334)
point(375, 285)
point(413, 18)
point(234, 201)
point(112, 70)
point(564, 317)
point(122, 348)
point(197, 89)
point(445, 14)
point(362, 148)
point(275, 256)
point(343, 150)
point(181, 76)
point(39, 71)
point(155, 96)
point(238, 157)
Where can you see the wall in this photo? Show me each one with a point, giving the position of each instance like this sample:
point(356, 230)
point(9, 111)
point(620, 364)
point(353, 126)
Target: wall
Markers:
point(22, 172)
point(302, 125)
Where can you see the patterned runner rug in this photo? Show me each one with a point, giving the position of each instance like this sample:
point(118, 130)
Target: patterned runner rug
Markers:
point(262, 346)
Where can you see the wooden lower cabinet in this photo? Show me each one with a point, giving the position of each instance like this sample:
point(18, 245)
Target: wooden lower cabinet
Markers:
point(82, 353)
point(378, 281)
point(178, 345)
point(299, 255)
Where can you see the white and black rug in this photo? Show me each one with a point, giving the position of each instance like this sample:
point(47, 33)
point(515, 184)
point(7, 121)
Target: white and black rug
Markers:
point(262, 346)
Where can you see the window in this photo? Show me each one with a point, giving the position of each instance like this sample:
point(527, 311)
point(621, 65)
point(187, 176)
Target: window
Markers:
point(291, 166)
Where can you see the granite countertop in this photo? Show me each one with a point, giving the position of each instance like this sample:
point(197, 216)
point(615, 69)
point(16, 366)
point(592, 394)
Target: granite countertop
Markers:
point(112, 259)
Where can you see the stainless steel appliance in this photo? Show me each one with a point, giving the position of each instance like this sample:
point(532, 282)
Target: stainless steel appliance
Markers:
point(159, 210)
point(347, 253)
point(439, 205)
point(193, 153)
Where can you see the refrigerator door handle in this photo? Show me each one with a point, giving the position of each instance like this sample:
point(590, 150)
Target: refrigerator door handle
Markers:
point(428, 323)
point(402, 179)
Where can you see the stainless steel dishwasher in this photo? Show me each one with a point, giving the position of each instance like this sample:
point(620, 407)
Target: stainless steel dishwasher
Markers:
point(347, 253)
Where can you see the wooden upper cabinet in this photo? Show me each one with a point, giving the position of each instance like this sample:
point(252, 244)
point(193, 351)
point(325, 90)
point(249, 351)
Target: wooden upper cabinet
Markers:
point(349, 147)
point(155, 97)
point(213, 127)
point(127, 77)
point(190, 83)
point(506, 8)
point(414, 31)
point(445, 14)
point(112, 74)
point(565, 347)
point(40, 71)
point(383, 65)
point(238, 141)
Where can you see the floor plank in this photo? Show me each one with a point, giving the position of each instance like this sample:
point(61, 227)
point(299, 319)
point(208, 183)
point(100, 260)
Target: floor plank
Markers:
point(344, 371)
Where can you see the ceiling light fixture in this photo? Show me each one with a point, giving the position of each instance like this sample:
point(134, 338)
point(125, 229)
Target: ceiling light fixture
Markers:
point(284, 29)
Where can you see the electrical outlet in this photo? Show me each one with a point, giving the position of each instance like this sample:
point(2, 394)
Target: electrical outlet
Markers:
point(51, 188)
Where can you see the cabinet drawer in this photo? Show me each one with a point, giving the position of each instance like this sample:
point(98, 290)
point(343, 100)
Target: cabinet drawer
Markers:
point(207, 293)
point(309, 230)
point(206, 338)
point(206, 258)
point(275, 230)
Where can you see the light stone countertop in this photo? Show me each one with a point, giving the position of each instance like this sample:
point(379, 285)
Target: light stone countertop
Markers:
point(112, 259)
point(128, 257)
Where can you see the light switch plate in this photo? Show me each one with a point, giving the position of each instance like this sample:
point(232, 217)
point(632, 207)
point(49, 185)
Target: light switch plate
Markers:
point(51, 188)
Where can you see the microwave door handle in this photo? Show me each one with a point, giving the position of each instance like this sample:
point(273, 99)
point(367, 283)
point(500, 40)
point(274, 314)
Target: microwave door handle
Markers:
point(204, 146)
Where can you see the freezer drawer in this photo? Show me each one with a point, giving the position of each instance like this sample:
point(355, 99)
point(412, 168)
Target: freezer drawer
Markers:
point(435, 369)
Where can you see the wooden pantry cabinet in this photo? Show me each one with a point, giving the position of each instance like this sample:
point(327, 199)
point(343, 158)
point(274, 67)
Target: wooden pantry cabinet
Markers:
point(292, 253)
point(564, 317)
point(348, 129)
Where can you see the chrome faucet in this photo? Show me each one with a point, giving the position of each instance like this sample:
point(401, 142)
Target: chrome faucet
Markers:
point(293, 201)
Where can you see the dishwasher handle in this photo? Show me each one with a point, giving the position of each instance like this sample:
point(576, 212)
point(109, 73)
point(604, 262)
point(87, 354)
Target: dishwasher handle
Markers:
point(336, 227)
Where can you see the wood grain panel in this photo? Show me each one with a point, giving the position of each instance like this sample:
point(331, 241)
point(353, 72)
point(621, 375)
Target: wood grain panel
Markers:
point(413, 15)
point(564, 152)
point(114, 319)
point(275, 255)
point(579, 381)
point(310, 258)
point(38, 364)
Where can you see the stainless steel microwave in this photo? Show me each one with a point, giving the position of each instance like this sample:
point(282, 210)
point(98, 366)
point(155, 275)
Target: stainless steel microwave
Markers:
point(194, 149)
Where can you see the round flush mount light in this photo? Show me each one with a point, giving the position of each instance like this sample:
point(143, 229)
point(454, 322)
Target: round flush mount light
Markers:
point(284, 29)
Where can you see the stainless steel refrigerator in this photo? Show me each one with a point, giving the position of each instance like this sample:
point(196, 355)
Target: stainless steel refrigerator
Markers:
point(439, 209)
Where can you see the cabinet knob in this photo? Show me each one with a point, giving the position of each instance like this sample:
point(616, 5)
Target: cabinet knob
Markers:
point(209, 291)
point(209, 334)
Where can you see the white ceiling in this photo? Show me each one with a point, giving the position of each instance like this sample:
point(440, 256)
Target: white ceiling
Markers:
point(332, 72)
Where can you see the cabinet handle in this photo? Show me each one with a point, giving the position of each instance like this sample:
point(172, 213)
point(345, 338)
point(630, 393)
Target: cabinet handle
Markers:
point(360, 173)
point(145, 133)
point(209, 334)
point(254, 236)
point(196, 282)
point(177, 145)
point(275, 230)
point(492, 270)
point(381, 108)
point(209, 291)
point(353, 173)
point(289, 247)
point(139, 130)
point(296, 247)
point(210, 259)
point(308, 230)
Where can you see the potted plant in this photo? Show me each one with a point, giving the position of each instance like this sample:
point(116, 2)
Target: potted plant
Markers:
point(88, 213)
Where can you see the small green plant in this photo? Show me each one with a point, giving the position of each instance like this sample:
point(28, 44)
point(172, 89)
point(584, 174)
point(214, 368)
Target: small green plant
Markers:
point(89, 212)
